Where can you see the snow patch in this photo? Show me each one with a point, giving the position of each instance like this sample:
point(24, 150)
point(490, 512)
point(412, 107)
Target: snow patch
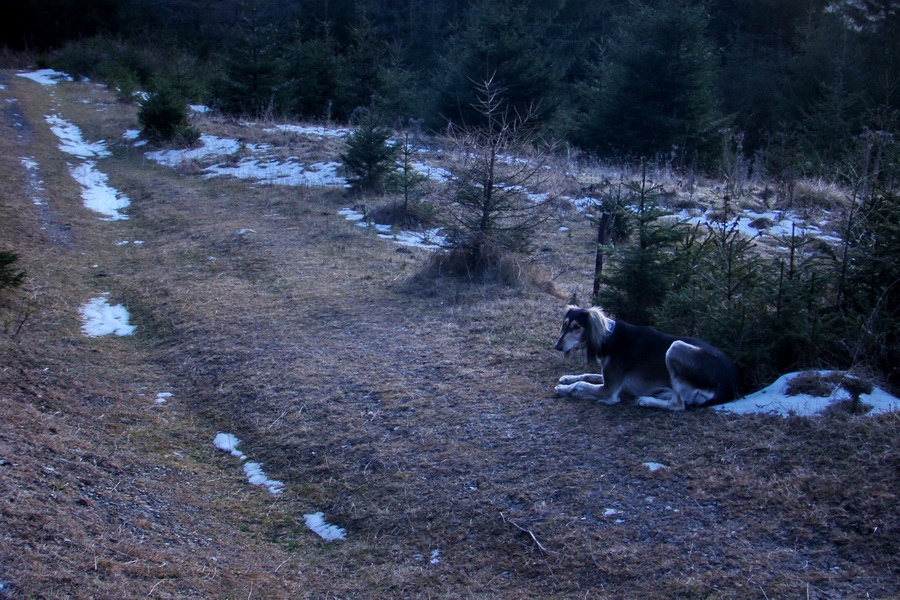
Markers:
point(100, 318)
point(228, 442)
point(163, 397)
point(316, 522)
point(655, 466)
point(338, 132)
point(72, 142)
point(256, 476)
point(255, 168)
point(774, 399)
point(428, 240)
point(433, 173)
point(97, 194)
point(46, 76)
point(211, 147)
point(275, 172)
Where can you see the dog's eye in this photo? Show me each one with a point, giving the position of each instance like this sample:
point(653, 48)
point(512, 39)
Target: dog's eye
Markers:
point(576, 327)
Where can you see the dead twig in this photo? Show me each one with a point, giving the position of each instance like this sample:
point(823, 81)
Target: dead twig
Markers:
point(528, 531)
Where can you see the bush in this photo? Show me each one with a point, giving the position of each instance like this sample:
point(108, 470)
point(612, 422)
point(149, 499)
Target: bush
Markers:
point(10, 276)
point(488, 211)
point(164, 118)
point(370, 157)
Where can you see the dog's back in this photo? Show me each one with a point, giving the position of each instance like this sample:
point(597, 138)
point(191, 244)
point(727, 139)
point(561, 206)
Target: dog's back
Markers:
point(639, 355)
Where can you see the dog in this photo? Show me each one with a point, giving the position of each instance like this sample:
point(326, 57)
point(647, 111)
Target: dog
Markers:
point(660, 370)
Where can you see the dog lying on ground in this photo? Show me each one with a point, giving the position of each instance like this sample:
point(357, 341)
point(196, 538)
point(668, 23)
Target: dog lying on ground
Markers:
point(660, 370)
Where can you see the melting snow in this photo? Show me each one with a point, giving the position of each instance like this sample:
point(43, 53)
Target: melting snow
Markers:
point(255, 168)
point(433, 173)
point(96, 192)
point(276, 172)
point(339, 132)
point(256, 476)
point(316, 522)
point(46, 76)
point(227, 442)
point(655, 466)
point(429, 240)
point(776, 224)
point(211, 147)
point(774, 399)
point(72, 142)
point(98, 195)
point(101, 318)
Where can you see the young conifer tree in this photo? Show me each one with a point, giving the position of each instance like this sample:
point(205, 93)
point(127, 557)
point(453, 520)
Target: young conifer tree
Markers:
point(409, 184)
point(10, 276)
point(489, 212)
point(370, 155)
point(164, 117)
point(641, 272)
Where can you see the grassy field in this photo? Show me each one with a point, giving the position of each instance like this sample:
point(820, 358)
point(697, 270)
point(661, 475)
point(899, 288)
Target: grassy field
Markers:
point(416, 414)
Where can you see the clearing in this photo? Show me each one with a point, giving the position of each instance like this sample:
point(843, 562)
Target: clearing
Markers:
point(419, 420)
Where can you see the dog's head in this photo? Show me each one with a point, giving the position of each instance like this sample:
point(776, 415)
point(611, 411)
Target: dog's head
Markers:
point(574, 329)
point(586, 327)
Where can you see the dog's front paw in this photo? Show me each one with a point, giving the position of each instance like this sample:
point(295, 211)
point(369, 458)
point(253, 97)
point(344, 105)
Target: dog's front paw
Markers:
point(569, 379)
point(563, 390)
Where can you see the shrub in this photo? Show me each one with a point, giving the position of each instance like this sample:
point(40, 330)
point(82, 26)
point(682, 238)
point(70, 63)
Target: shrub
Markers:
point(10, 276)
point(369, 156)
point(410, 185)
point(164, 118)
point(488, 210)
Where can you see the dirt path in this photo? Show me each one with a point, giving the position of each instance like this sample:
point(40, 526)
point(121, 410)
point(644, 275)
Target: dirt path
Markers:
point(418, 418)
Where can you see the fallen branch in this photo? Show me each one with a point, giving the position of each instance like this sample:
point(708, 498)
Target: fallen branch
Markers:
point(528, 531)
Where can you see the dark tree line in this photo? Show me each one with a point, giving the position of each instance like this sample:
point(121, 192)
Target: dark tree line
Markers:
point(798, 81)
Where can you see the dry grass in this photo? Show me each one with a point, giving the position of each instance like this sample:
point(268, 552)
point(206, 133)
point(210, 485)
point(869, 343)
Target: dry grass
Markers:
point(417, 421)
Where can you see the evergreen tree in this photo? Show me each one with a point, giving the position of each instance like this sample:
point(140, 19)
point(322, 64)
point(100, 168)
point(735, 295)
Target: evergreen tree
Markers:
point(409, 184)
point(803, 325)
point(655, 91)
point(721, 295)
point(362, 64)
point(489, 213)
point(871, 294)
point(498, 45)
point(251, 76)
point(641, 272)
point(370, 156)
point(164, 117)
point(313, 77)
point(10, 276)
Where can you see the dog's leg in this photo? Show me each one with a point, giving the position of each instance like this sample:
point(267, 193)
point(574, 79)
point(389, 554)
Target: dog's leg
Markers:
point(583, 390)
point(681, 360)
point(668, 399)
point(595, 378)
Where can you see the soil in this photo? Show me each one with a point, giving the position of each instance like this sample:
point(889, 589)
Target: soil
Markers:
point(416, 414)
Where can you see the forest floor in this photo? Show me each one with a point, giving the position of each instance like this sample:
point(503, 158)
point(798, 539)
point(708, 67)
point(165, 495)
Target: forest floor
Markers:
point(419, 416)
